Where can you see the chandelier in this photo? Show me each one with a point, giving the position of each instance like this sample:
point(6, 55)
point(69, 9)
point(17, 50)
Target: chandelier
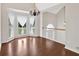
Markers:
point(34, 12)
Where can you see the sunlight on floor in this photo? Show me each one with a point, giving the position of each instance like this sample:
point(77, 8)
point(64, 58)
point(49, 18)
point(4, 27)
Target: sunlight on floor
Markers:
point(10, 49)
point(33, 46)
point(22, 45)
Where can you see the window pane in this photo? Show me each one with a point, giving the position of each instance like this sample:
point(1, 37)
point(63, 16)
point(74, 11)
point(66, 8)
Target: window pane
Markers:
point(11, 24)
point(22, 20)
point(32, 25)
point(22, 24)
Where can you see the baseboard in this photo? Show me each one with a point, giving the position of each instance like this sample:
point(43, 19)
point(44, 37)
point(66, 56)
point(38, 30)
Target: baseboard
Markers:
point(10, 39)
point(53, 40)
point(72, 49)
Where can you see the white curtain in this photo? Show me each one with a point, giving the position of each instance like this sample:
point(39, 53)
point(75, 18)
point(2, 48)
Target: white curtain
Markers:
point(11, 18)
point(32, 19)
point(22, 19)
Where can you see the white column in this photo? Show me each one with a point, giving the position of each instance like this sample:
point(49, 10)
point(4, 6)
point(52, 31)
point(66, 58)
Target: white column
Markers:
point(41, 18)
point(28, 27)
point(0, 26)
point(15, 26)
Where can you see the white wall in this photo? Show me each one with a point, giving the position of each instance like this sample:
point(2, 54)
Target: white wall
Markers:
point(61, 18)
point(4, 21)
point(60, 34)
point(0, 25)
point(38, 25)
point(48, 18)
point(72, 27)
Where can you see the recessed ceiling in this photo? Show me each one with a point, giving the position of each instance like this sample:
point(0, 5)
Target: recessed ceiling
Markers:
point(55, 9)
point(43, 6)
point(49, 7)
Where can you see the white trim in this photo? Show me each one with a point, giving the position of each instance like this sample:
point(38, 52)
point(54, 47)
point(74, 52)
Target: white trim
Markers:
point(52, 40)
point(12, 38)
point(72, 49)
point(41, 18)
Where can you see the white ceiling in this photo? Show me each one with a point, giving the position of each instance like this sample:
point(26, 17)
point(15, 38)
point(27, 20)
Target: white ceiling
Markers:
point(49, 7)
point(43, 6)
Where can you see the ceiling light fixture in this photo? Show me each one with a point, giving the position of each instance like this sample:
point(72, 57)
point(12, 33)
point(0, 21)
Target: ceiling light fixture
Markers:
point(34, 12)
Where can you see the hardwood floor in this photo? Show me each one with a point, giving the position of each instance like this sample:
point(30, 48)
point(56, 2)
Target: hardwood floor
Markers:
point(34, 46)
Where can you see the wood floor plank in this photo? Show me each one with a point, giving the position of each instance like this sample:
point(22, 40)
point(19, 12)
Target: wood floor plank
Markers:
point(34, 46)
